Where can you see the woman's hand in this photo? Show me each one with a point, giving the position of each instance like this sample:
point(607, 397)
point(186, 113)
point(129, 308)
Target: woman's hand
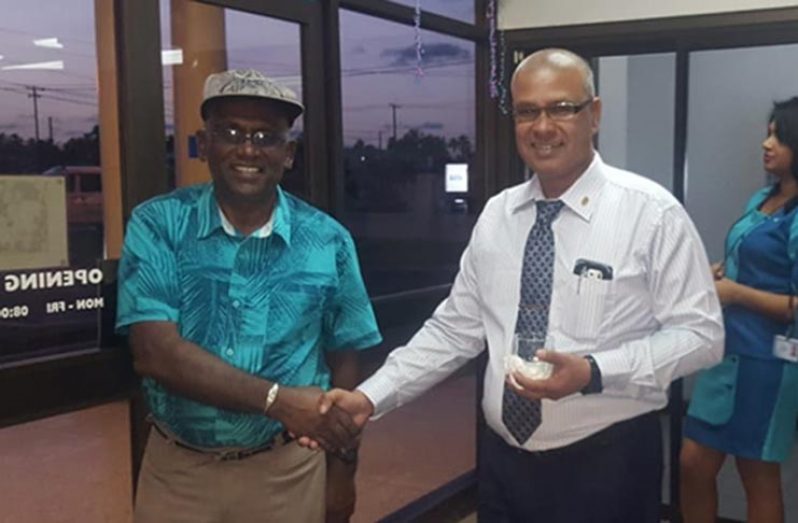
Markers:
point(717, 270)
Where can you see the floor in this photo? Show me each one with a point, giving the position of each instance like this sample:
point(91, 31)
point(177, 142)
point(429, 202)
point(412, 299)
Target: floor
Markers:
point(69, 468)
point(75, 467)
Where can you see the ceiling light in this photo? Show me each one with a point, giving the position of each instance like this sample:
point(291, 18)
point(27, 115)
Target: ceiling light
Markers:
point(56, 65)
point(51, 43)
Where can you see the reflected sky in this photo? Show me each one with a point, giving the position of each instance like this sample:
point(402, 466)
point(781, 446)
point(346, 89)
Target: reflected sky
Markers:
point(377, 59)
point(69, 96)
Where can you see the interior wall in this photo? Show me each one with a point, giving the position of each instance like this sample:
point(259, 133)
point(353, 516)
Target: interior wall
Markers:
point(729, 105)
point(521, 14)
point(613, 81)
point(637, 119)
point(652, 87)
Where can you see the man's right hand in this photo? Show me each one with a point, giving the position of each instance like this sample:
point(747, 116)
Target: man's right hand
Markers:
point(297, 408)
point(354, 403)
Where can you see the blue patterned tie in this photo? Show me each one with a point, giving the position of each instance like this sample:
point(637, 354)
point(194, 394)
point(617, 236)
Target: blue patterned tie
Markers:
point(520, 415)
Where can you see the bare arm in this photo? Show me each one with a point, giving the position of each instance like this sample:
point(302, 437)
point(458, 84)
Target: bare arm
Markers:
point(776, 306)
point(162, 354)
point(344, 368)
point(341, 494)
point(186, 368)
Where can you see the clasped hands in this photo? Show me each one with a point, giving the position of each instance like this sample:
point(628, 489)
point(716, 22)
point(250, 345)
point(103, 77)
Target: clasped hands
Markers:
point(571, 373)
point(333, 420)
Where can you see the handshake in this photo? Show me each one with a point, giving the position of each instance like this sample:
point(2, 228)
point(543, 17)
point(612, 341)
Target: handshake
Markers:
point(331, 420)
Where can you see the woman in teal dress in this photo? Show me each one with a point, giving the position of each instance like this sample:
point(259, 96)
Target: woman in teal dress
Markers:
point(747, 405)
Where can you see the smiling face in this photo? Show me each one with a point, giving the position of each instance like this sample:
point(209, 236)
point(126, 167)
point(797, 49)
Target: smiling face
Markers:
point(557, 151)
point(777, 157)
point(245, 172)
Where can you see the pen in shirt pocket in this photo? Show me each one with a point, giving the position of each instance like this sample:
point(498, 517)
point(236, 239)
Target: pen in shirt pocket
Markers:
point(592, 270)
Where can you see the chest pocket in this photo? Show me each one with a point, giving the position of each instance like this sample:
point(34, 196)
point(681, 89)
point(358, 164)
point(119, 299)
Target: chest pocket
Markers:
point(585, 304)
point(295, 310)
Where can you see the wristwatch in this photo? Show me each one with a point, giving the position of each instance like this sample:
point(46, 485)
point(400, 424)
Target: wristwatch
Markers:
point(594, 386)
point(271, 397)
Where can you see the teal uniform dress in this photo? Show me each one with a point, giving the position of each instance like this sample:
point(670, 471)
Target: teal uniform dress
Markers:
point(748, 404)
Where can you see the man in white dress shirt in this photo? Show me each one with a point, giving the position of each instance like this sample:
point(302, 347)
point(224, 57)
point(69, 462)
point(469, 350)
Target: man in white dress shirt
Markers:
point(631, 307)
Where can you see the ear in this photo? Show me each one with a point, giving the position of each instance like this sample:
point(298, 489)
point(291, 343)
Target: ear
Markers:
point(202, 144)
point(596, 114)
point(290, 151)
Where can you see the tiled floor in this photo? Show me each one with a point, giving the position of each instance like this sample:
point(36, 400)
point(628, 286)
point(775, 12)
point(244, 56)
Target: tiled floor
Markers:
point(74, 468)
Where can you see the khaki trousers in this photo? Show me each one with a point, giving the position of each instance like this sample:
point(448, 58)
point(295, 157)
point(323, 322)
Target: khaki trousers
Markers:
point(178, 485)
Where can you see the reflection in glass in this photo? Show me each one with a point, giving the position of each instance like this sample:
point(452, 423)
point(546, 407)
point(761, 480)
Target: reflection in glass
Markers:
point(51, 219)
point(401, 131)
point(211, 39)
point(409, 196)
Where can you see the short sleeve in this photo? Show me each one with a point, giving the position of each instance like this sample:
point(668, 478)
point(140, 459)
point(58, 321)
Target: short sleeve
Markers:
point(349, 321)
point(147, 280)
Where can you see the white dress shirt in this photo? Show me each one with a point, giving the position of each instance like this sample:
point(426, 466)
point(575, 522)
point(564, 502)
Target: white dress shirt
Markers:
point(656, 320)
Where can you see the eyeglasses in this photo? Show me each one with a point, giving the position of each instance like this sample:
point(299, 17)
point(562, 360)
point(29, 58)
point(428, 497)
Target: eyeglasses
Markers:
point(558, 112)
point(258, 139)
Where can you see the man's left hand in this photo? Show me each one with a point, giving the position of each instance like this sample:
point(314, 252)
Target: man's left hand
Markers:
point(570, 375)
point(340, 495)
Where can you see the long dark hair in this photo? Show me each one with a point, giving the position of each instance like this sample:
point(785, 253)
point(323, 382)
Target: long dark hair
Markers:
point(784, 116)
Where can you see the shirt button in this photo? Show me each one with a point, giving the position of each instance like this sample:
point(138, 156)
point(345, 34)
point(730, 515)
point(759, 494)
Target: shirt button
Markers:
point(236, 304)
point(230, 352)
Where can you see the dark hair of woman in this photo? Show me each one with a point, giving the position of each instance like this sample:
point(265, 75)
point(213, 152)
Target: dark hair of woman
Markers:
point(784, 117)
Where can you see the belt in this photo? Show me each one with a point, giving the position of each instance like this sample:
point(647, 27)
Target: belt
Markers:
point(226, 454)
point(591, 443)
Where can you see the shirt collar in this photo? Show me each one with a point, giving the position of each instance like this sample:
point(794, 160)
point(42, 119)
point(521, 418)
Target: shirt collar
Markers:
point(211, 218)
point(580, 197)
point(263, 232)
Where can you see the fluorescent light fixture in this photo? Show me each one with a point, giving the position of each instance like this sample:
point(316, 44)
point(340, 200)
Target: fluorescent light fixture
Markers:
point(51, 43)
point(171, 56)
point(57, 65)
point(1, 57)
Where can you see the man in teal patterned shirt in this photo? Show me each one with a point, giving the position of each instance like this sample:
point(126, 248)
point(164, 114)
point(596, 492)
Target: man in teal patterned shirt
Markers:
point(242, 304)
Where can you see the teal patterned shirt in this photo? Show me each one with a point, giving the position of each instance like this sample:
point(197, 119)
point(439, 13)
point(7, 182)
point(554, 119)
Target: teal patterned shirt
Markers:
point(268, 305)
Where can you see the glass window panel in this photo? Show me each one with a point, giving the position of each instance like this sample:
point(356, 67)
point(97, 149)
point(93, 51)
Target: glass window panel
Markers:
point(400, 133)
point(239, 41)
point(51, 200)
point(458, 9)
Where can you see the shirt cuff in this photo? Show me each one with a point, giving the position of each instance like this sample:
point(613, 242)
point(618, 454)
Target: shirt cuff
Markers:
point(380, 390)
point(614, 369)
